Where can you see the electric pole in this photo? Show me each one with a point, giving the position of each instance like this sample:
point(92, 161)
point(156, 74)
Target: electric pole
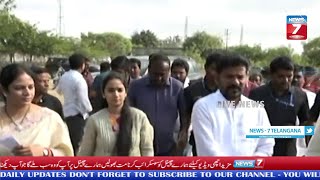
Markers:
point(60, 18)
point(227, 33)
point(186, 29)
point(241, 35)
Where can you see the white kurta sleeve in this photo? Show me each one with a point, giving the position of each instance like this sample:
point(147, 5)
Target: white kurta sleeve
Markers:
point(60, 138)
point(88, 142)
point(203, 131)
point(265, 145)
point(314, 145)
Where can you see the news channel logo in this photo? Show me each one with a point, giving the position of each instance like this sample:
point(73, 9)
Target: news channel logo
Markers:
point(297, 27)
point(280, 131)
point(309, 130)
point(256, 163)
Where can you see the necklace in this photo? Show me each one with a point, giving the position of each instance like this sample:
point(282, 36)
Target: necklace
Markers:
point(114, 121)
point(18, 126)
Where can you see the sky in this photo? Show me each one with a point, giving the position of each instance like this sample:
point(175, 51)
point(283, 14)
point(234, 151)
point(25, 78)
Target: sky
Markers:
point(264, 22)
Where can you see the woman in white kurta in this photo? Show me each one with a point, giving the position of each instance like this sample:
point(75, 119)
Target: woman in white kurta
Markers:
point(37, 131)
point(118, 129)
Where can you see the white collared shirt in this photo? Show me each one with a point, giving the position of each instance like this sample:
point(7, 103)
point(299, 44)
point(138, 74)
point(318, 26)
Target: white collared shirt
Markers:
point(314, 145)
point(311, 97)
point(301, 142)
point(75, 92)
point(186, 82)
point(221, 131)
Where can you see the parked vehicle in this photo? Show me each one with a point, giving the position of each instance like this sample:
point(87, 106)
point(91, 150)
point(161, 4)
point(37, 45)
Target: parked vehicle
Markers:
point(55, 66)
point(58, 65)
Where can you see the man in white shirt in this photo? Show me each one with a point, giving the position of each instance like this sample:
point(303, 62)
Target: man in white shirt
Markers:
point(298, 80)
point(314, 145)
point(77, 105)
point(221, 130)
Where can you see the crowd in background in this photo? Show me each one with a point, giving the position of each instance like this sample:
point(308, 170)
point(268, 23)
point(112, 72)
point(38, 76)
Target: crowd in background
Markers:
point(121, 112)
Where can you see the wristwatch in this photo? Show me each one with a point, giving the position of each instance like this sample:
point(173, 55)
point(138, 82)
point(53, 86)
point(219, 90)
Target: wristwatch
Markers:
point(46, 152)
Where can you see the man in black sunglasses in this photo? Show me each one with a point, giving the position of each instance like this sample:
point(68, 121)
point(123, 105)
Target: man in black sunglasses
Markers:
point(283, 102)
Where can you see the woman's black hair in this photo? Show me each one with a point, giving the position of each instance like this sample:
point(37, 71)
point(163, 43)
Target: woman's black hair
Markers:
point(11, 72)
point(124, 139)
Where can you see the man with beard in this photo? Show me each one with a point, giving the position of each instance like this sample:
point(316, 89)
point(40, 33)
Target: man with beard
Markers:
point(161, 98)
point(180, 70)
point(199, 89)
point(283, 102)
point(221, 130)
point(42, 98)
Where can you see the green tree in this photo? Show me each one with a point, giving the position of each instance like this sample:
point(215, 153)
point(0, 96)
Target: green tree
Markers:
point(7, 5)
point(42, 44)
point(145, 39)
point(106, 44)
point(253, 53)
point(201, 43)
point(196, 56)
point(94, 45)
point(17, 36)
point(272, 53)
point(13, 34)
point(171, 42)
point(299, 59)
point(311, 52)
point(117, 45)
point(64, 46)
point(26, 41)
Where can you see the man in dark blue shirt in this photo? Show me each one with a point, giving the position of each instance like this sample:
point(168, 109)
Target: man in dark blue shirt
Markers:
point(161, 98)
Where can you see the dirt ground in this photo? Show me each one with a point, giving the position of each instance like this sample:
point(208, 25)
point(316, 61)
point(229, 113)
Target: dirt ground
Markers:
point(55, 93)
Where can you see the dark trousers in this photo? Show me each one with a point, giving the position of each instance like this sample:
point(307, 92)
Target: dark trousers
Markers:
point(164, 154)
point(285, 147)
point(171, 152)
point(76, 127)
point(192, 142)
